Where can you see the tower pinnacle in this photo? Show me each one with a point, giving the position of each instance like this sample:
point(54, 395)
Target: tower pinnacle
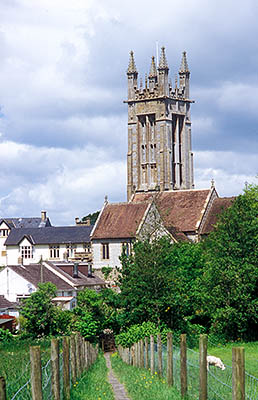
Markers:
point(163, 61)
point(131, 67)
point(153, 69)
point(184, 64)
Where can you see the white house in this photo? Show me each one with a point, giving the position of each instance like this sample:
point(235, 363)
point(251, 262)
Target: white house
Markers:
point(19, 281)
point(30, 245)
point(7, 224)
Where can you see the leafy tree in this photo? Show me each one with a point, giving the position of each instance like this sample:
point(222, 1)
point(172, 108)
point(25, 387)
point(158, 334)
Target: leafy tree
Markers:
point(93, 217)
point(157, 283)
point(42, 317)
point(229, 286)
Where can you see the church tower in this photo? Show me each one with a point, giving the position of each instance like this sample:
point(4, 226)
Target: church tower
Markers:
point(159, 129)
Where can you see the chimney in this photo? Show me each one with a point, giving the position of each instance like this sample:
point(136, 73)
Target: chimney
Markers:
point(43, 215)
point(90, 270)
point(87, 221)
point(77, 220)
point(75, 270)
point(83, 268)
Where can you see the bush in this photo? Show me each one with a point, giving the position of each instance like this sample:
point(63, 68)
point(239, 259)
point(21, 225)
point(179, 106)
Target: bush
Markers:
point(5, 335)
point(87, 326)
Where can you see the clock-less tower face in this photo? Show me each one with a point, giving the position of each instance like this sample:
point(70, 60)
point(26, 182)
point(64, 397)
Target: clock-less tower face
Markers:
point(159, 130)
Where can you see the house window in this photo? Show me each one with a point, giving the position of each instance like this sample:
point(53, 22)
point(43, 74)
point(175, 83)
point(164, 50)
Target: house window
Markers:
point(26, 251)
point(54, 251)
point(105, 251)
point(4, 232)
point(70, 249)
point(87, 247)
point(127, 247)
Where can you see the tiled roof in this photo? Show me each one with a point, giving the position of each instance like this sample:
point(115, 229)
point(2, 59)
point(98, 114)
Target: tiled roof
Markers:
point(51, 235)
point(181, 209)
point(120, 220)
point(36, 274)
point(33, 222)
point(4, 303)
point(218, 206)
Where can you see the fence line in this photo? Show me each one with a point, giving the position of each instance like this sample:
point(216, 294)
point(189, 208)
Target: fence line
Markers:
point(190, 373)
point(55, 379)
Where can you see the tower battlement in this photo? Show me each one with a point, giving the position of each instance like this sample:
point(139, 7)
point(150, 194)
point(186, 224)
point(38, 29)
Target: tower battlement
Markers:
point(159, 129)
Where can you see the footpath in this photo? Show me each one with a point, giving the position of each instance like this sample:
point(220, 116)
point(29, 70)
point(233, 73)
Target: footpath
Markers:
point(118, 388)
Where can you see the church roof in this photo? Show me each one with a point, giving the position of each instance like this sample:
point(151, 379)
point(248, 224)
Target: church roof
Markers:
point(218, 206)
point(181, 209)
point(120, 220)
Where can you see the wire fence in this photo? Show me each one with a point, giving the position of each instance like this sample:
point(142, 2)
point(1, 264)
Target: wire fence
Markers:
point(219, 382)
point(86, 355)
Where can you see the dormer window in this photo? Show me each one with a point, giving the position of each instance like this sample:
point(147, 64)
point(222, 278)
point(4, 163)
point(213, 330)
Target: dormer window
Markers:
point(4, 232)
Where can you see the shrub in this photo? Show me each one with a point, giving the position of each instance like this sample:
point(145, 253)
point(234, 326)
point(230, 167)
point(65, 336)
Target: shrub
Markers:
point(5, 335)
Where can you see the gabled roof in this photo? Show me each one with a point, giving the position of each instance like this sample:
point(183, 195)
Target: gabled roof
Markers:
point(217, 207)
point(37, 273)
point(51, 235)
point(180, 209)
point(33, 222)
point(120, 220)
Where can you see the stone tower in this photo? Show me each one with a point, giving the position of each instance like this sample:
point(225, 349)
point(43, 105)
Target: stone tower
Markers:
point(159, 129)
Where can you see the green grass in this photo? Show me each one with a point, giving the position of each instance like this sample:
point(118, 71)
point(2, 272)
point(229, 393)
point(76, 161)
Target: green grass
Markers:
point(93, 384)
point(251, 355)
point(140, 384)
point(15, 362)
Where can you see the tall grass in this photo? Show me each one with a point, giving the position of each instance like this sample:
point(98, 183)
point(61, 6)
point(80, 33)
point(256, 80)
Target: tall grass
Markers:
point(93, 384)
point(140, 384)
point(15, 362)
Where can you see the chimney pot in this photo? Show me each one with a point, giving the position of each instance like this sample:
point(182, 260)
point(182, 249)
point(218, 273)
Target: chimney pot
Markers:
point(77, 220)
point(43, 215)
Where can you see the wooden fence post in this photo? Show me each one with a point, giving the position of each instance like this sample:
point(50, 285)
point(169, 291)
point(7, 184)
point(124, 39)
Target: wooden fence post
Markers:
point(183, 365)
point(55, 377)
point(78, 355)
point(133, 355)
point(73, 359)
point(169, 359)
point(36, 374)
point(159, 345)
point(152, 355)
point(2, 388)
point(146, 345)
point(66, 368)
point(136, 354)
point(203, 393)
point(141, 353)
point(238, 373)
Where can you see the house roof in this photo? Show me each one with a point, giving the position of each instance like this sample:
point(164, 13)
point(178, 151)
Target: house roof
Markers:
point(120, 220)
point(37, 273)
point(51, 235)
point(33, 222)
point(217, 207)
point(181, 209)
point(4, 303)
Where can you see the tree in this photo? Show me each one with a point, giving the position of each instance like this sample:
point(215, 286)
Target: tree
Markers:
point(42, 317)
point(157, 283)
point(229, 285)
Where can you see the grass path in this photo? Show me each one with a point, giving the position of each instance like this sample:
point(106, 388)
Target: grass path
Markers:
point(93, 384)
point(140, 384)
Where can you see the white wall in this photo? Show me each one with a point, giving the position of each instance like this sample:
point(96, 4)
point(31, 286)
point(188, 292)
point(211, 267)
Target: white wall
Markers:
point(2, 246)
point(115, 251)
point(12, 284)
point(39, 251)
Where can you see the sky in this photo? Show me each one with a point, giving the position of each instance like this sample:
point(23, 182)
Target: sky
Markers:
point(63, 123)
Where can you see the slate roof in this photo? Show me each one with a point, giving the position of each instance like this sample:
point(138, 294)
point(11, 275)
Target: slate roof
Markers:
point(33, 222)
point(217, 207)
point(180, 209)
point(4, 303)
point(120, 220)
point(33, 274)
point(51, 235)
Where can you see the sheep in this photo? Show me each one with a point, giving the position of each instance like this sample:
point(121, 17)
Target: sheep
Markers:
point(211, 360)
